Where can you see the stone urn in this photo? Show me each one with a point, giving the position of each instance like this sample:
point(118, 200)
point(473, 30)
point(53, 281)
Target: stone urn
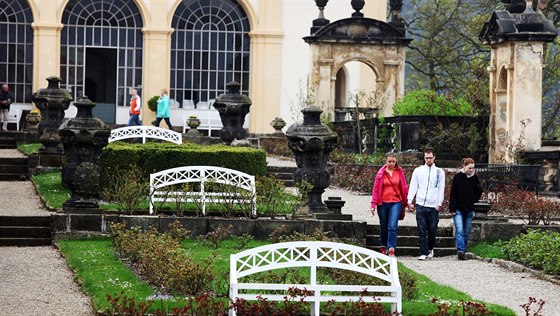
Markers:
point(232, 106)
point(312, 142)
point(33, 119)
point(83, 138)
point(193, 123)
point(278, 124)
point(52, 102)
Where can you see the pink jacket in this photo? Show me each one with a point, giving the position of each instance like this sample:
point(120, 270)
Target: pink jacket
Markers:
point(377, 189)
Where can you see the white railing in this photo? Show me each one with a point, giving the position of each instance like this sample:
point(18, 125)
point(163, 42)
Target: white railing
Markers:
point(145, 132)
point(314, 254)
point(202, 175)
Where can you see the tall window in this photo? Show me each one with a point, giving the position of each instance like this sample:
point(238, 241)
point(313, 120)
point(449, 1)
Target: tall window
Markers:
point(16, 48)
point(209, 48)
point(104, 24)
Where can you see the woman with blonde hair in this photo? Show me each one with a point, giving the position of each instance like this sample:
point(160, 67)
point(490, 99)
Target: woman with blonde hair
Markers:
point(388, 196)
point(163, 105)
point(465, 191)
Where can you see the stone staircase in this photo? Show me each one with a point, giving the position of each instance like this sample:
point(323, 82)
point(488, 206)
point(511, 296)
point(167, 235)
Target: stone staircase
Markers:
point(407, 242)
point(285, 174)
point(12, 169)
point(22, 231)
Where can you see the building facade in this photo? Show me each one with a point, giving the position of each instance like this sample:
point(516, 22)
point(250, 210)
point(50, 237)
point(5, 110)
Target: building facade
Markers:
point(192, 48)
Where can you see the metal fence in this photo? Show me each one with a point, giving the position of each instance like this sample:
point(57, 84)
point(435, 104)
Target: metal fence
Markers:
point(493, 176)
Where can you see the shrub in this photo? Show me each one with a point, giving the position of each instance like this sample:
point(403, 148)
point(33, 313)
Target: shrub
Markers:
point(161, 259)
point(271, 195)
point(152, 157)
point(127, 188)
point(427, 102)
point(216, 238)
point(537, 249)
point(152, 103)
point(463, 308)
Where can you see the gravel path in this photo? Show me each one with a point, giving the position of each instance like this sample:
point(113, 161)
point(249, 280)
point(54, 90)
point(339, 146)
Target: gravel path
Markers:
point(36, 281)
point(489, 282)
point(19, 198)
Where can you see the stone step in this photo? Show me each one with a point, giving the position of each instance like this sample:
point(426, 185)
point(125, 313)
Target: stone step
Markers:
point(283, 175)
point(415, 251)
point(14, 161)
point(410, 231)
point(20, 169)
point(25, 242)
point(412, 241)
point(13, 177)
point(281, 169)
point(26, 221)
point(25, 232)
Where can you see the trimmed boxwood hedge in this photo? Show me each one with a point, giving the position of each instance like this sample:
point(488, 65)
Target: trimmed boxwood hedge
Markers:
point(154, 157)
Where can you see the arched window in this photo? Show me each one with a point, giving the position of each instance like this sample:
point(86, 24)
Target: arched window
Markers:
point(101, 39)
point(209, 48)
point(16, 48)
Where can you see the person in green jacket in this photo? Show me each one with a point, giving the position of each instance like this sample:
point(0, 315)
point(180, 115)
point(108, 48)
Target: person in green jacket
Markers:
point(163, 105)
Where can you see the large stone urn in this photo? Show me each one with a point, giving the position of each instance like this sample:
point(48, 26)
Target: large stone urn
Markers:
point(52, 102)
point(83, 138)
point(312, 143)
point(232, 106)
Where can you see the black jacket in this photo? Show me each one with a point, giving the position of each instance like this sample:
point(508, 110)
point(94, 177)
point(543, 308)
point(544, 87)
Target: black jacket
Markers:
point(6, 96)
point(464, 192)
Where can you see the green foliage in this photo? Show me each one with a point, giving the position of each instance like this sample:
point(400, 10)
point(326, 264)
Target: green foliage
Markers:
point(428, 102)
point(215, 238)
point(163, 261)
point(486, 249)
point(29, 149)
point(272, 196)
point(50, 189)
point(127, 188)
point(153, 157)
point(152, 103)
point(537, 249)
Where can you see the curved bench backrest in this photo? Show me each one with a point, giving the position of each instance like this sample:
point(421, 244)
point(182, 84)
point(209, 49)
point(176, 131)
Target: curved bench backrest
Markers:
point(202, 174)
point(145, 132)
point(313, 254)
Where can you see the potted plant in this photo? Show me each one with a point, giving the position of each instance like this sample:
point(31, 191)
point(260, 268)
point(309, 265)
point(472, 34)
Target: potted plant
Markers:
point(152, 103)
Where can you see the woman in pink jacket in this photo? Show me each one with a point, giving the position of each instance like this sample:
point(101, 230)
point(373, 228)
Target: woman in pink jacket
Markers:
point(388, 196)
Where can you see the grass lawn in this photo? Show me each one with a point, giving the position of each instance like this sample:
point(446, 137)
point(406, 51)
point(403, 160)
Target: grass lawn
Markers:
point(486, 249)
point(29, 149)
point(101, 273)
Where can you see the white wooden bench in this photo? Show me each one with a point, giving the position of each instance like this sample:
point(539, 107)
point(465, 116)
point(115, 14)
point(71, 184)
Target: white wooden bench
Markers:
point(202, 176)
point(145, 132)
point(314, 254)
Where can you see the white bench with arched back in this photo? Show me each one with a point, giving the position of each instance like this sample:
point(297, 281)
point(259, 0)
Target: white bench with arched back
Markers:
point(145, 132)
point(203, 175)
point(314, 254)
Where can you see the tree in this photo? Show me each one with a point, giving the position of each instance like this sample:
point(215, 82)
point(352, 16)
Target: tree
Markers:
point(445, 55)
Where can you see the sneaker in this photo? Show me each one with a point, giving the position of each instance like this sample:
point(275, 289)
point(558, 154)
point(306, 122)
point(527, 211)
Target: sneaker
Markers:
point(422, 257)
point(431, 253)
point(461, 255)
point(391, 252)
point(383, 250)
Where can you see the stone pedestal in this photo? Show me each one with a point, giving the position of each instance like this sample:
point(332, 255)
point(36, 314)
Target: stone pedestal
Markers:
point(233, 107)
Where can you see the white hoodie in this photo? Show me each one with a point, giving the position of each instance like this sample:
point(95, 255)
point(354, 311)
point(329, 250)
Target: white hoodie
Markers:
point(428, 185)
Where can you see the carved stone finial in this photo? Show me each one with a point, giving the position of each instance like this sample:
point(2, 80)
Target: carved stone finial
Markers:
point(357, 5)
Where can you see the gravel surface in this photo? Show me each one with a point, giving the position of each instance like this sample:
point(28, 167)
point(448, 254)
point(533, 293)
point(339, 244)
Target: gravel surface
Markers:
point(36, 281)
point(19, 198)
point(489, 282)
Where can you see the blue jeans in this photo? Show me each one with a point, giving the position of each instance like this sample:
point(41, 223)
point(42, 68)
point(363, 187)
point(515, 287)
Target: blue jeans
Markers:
point(134, 119)
point(158, 120)
point(462, 220)
point(427, 219)
point(389, 221)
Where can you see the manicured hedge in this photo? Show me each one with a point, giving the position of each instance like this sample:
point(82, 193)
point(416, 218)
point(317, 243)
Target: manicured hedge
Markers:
point(153, 157)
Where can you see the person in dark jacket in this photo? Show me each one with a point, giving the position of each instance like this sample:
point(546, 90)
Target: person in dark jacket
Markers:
point(465, 191)
point(6, 99)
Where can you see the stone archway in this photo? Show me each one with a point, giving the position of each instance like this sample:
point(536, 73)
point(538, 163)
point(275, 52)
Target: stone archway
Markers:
point(377, 44)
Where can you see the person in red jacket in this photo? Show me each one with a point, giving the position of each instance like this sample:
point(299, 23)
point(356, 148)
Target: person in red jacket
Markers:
point(135, 106)
point(388, 196)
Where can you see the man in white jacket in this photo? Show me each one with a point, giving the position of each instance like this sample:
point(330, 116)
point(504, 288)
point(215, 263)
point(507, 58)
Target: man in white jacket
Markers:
point(428, 186)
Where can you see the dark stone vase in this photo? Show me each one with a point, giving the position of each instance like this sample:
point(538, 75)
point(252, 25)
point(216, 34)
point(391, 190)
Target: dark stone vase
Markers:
point(232, 106)
point(312, 143)
point(52, 102)
point(83, 138)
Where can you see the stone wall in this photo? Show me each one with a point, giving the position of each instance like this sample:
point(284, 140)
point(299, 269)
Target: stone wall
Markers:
point(76, 224)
